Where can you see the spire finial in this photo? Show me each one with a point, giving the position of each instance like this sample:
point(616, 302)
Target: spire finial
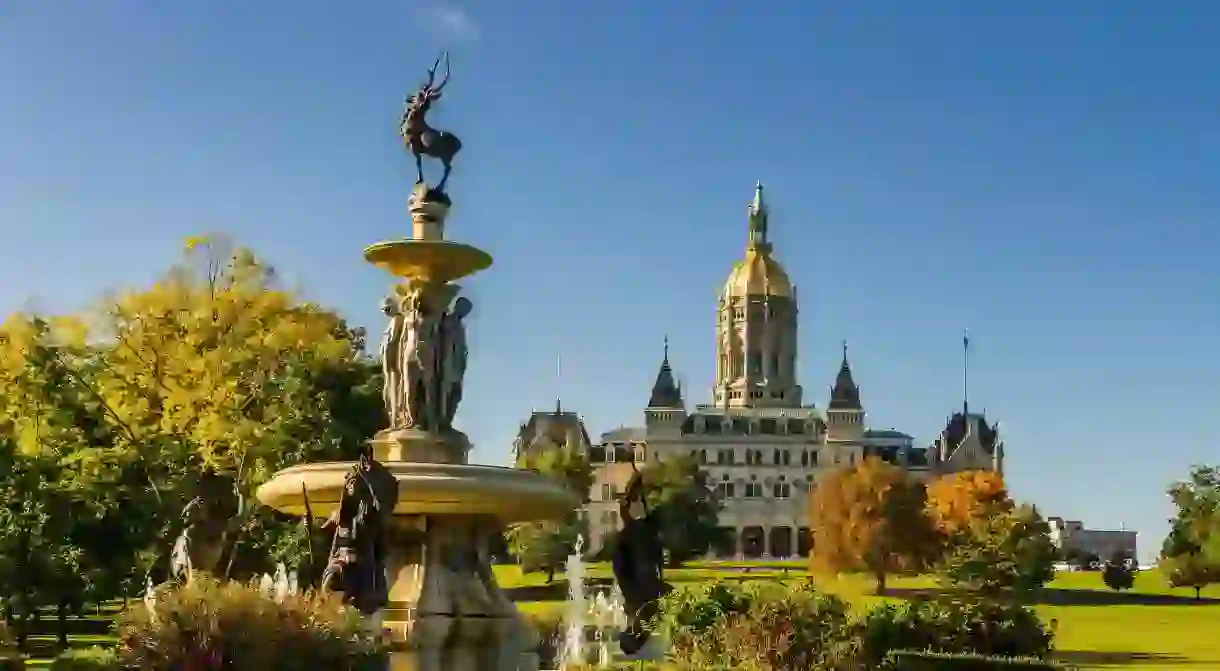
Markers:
point(758, 221)
point(845, 350)
point(666, 356)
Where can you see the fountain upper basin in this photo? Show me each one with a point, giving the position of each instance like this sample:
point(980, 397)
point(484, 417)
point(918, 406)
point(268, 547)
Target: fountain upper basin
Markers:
point(510, 494)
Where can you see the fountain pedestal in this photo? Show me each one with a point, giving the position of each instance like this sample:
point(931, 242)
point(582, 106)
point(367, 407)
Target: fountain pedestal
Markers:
point(445, 611)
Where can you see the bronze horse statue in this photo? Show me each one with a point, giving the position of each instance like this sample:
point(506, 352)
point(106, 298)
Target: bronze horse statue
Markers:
point(422, 139)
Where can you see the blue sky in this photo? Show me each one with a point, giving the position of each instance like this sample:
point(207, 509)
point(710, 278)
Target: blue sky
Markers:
point(1042, 173)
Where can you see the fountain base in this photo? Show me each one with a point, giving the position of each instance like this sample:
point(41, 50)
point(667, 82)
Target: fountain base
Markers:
point(446, 610)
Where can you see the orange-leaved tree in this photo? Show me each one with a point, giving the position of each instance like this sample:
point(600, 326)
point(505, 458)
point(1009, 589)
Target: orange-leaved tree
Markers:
point(957, 499)
point(869, 517)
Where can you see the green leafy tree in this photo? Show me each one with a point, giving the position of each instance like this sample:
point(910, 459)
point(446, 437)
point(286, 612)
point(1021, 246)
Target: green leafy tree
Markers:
point(44, 421)
point(1118, 574)
point(1190, 570)
point(545, 545)
point(216, 365)
point(686, 508)
point(1190, 555)
point(1005, 549)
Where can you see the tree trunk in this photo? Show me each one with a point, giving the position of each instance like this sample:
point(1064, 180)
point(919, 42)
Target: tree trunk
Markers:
point(550, 574)
point(1198, 593)
point(62, 616)
point(880, 576)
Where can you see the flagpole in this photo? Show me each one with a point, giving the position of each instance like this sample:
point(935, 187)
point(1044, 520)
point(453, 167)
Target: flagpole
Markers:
point(966, 372)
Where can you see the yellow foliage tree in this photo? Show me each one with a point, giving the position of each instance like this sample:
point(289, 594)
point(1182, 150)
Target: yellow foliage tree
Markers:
point(956, 500)
point(869, 517)
point(206, 363)
point(216, 366)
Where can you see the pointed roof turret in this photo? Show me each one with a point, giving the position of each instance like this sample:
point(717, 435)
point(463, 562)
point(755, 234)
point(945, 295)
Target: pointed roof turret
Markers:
point(665, 391)
point(845, 395)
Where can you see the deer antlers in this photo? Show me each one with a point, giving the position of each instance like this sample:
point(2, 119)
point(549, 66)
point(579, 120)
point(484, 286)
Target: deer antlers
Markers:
point(432, 74)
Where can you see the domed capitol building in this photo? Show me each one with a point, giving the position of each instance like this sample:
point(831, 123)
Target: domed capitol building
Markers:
point(762, 445)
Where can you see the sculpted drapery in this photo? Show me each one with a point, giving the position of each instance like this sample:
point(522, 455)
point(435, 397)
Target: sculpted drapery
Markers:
point(423, 356)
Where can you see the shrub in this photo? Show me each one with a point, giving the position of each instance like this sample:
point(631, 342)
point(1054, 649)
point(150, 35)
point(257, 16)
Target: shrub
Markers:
point(10, 657)
point(1118, 574)
point(760, 628)
point(695, 610)
point(549, 630)
point(906, 660)
point(96, 658)
point(955, 625)
point(207, 624)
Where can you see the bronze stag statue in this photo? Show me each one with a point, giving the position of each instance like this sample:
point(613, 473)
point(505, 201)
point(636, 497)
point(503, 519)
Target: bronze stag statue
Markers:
point(422, 139)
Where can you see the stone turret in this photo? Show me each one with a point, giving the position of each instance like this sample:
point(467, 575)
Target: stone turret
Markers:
point(845, 412)
point(666, 410)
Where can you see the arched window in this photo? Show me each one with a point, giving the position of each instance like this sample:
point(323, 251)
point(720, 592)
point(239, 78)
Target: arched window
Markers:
point(725, 489)
point(781, 489)
point(754, 488)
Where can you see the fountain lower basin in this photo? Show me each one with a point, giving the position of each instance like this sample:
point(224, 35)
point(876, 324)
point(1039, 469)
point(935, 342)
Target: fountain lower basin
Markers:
point(446, 609)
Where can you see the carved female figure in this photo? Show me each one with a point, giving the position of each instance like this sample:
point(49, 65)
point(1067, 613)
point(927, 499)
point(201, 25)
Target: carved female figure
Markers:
point(453, 359)
point(419, 366)
point(391, 361)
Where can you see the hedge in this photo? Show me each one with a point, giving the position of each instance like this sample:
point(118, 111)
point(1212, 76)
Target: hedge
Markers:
point(915, 660)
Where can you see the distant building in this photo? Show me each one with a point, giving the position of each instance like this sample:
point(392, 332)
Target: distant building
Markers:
point(547, 429)
point(762, 447)
point(1071, 537)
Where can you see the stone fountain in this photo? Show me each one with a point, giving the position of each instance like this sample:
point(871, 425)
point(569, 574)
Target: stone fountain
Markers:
point(441, 606)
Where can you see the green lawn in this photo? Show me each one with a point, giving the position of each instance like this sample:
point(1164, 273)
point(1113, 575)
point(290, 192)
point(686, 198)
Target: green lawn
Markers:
point(1149, 628)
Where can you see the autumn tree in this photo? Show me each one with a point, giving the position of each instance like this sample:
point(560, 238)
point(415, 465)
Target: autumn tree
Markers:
point(955, 501)
point(869, 517)
point(1190, 555)
point(685, 507)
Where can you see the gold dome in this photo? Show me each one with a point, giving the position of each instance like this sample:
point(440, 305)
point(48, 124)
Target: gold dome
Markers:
point(758, 274)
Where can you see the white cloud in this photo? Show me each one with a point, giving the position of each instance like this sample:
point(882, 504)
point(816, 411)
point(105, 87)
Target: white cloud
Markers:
point(446, 21)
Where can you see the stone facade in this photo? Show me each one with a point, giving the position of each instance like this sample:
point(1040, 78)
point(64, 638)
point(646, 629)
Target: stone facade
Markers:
point(1071, 537)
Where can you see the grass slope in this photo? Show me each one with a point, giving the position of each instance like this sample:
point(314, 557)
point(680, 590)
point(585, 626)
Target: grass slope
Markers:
point(1151, 627)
